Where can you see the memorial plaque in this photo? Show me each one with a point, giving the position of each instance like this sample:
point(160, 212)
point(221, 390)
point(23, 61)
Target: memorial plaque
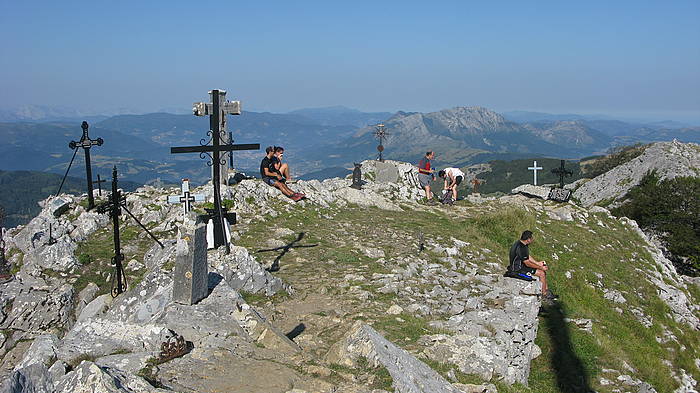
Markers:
point(559, 194)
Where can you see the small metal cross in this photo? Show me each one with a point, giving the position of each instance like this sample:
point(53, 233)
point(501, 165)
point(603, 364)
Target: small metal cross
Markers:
point(86, 143)
point(186, 198)
point(562, 172)
point(380, 133)
point(99, 184)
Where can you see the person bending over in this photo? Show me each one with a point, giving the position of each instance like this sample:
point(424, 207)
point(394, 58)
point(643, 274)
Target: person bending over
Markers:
point(453, 177)
point(273, 177)
point(520, 252)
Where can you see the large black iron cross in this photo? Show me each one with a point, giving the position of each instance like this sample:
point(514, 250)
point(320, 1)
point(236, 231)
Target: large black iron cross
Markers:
point(114, 206)
point(217, 111)
point(562, 172)
point(86, 143)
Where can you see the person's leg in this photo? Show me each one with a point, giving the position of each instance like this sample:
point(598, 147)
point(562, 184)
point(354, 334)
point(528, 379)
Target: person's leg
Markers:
point(283, 188)
point(284, 169)
point(542, 275)
point(428, 193)
point(454, 192)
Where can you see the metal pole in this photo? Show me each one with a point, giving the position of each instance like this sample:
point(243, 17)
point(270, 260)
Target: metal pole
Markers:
point(117, 245)
point(91, 199)
point(217, 181)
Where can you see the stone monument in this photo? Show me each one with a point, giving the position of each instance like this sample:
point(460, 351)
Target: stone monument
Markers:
point(191, 269)
point(386, 172)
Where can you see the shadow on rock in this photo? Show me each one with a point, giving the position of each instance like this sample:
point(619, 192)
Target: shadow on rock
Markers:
point(571, 374)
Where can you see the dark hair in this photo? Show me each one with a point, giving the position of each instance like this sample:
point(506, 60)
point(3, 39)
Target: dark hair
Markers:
point(526, 235)
point(441, 173)
point(269, 149)
point(429, 152)
point(279, 148)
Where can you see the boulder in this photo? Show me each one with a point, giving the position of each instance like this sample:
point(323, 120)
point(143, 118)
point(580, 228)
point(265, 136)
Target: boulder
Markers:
point(532, 191)
point(91, 378)
point(409, 374)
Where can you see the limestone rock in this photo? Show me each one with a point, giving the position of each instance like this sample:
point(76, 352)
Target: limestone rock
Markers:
point(91, 378)
point(86, 296)
point(493, 337)
point(37, 311)
point(410, 375)
point(42, 351)
point(532, 191)
point(669, 159)
point(58, 205)
point(34, 378)
point(243, 272)
point(102, 337)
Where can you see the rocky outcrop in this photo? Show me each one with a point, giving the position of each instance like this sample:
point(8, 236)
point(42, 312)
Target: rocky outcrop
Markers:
point(495, 335)
point(669, 159)
point(409, 374)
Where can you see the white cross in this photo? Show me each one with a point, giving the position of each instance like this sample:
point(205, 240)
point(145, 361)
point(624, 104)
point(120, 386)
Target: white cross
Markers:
point(534, 168)
point(186, 198)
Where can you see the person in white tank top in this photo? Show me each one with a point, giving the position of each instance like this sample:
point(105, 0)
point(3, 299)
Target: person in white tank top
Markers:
point(453, 177)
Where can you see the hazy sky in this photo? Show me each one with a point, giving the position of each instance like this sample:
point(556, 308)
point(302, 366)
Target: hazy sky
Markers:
point(616, 57)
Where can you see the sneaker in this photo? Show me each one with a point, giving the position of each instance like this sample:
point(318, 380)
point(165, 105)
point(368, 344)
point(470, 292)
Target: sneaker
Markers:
point(549, 298)
point(296, 197)
point(552, 294)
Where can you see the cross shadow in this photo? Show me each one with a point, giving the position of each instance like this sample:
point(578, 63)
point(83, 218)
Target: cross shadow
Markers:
point(284, 249)
point(298, 329)
point(570, 373)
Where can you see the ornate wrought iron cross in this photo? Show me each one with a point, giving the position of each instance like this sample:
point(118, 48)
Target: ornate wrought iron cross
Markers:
point(562, 172)
point(5, 273)
point(380, 133)
point(217, 111)
point(116, 202)
point(86, 143)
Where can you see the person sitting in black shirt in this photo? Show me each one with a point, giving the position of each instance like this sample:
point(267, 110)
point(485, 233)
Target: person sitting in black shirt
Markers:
point(271, 175)
point(520, 261)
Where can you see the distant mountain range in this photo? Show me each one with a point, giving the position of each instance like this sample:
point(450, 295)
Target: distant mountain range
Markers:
point(319, 141)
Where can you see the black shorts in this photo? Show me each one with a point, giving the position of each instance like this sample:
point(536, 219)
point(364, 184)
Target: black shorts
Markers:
point(527, 270)
point(458, 180)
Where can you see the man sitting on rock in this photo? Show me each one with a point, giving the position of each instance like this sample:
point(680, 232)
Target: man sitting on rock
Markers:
point(453, 177)
point(273, 177)
point(520, 261)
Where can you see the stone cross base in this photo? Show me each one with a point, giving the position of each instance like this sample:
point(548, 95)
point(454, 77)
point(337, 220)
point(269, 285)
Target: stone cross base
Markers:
point(191, 269)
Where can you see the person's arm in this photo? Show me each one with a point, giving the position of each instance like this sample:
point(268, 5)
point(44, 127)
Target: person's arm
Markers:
point(533, 263)
point(269, 173)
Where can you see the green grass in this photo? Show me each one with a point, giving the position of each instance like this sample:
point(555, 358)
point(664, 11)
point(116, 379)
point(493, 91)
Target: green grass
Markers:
point(571, 357)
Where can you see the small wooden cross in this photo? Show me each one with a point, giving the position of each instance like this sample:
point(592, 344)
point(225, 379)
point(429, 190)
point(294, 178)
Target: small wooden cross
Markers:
point(186, 198)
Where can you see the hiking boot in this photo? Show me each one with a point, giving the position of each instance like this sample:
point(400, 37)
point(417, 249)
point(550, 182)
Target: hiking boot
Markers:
point(551, 294)
point(296, 197)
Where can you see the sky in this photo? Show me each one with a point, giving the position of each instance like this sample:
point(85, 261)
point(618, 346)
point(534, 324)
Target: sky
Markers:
point(624, 58)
